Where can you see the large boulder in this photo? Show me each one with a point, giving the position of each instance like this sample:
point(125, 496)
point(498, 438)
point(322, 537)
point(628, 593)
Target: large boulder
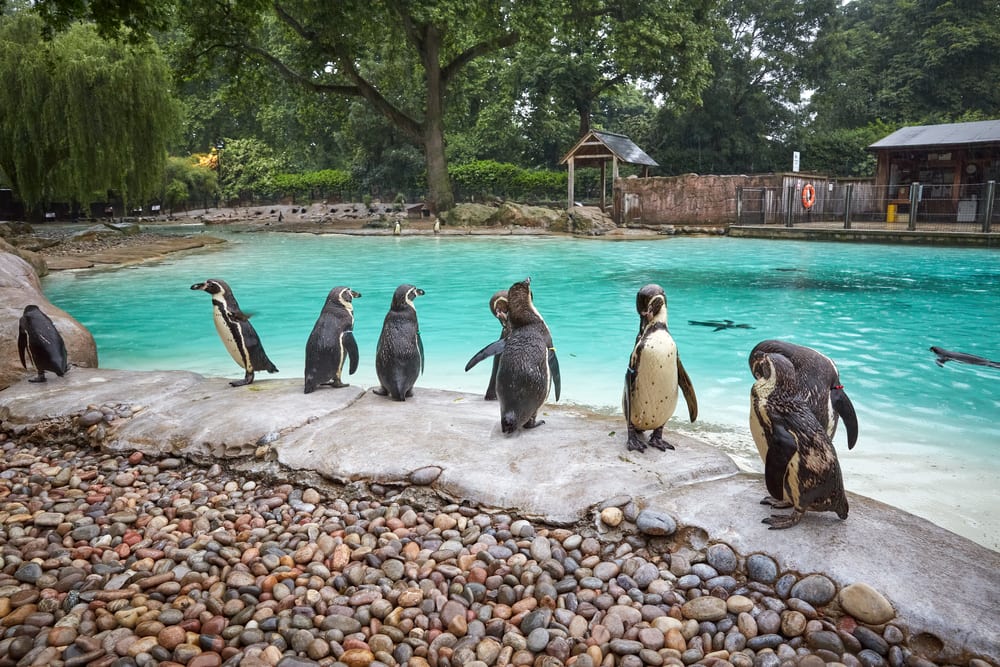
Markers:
point(521, 215)
point(469, 215)
point(19, 287)
point(584, 221)
point(36, 261)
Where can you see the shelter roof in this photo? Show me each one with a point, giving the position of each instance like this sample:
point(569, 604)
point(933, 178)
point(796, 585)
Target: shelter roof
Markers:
point(599, 146)
point(949, 134)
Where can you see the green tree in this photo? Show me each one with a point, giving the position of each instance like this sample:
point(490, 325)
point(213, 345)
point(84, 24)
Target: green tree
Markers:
point(247, 170)
point(765, 58)
point(81, 115)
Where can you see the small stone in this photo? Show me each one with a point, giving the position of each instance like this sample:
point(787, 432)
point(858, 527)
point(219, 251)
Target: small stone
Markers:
point(28, 573)
point(705, 608)
point(762, 568)
point(866, 604)
point(612, 516)
point(793, 623)
point(737, 604)
point(658, 524)
point(815, 589)
point(722, 558)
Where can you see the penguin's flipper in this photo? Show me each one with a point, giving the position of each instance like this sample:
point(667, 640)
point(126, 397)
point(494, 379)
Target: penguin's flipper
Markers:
point(420, 348)
point(684, 382)
point(22, 344)
point(494, 348)
point(554, 370)
point(351, 347)
point(842, 406)
point(491, 388)
point(780, 451)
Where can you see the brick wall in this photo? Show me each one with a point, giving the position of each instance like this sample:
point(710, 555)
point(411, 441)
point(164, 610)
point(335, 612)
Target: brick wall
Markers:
point(690, 199)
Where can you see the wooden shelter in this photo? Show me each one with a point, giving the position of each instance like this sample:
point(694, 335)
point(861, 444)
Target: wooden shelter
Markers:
point(598, 148)
point(952, 162)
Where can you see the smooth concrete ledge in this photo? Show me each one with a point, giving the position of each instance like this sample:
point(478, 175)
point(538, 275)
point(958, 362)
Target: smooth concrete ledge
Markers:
point(560, 473)
point(896, 236)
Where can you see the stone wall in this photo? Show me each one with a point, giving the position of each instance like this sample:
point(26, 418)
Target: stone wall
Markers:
point(682, 200)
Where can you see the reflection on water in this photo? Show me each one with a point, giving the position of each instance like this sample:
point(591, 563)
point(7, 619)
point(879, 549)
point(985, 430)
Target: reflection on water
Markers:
point(874, 309)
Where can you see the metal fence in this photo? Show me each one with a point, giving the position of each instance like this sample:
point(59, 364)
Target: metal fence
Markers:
point(852, 205)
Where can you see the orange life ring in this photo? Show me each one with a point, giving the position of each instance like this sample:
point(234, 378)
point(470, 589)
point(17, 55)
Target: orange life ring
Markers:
point(808, 195)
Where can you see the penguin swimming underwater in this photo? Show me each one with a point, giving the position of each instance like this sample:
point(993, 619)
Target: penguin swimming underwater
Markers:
point(500, 307)
point(801, 466)
point(527, 366)
point(38, 336)
point(236, 332)
point(399, 355)
point(331, 342)
point(654, 374)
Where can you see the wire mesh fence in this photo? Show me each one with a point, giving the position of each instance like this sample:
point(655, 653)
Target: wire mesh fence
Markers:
point(916, 207)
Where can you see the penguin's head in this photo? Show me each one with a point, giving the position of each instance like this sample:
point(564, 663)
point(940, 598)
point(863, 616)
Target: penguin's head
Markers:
point(343, 296)
point(500, 306)
point(404, 295)
point(31, 309)
point(520, 304)
point(213, 286)
point(651, 304)
point(771, 368)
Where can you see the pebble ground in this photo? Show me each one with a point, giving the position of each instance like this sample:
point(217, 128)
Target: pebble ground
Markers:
point(110, 560)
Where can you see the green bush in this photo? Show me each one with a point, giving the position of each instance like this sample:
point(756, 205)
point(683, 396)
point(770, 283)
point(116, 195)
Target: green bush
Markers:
point(484, 179)
point(312, 185)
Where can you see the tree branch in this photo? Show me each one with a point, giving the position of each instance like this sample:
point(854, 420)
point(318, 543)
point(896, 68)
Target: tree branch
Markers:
point(482, 48)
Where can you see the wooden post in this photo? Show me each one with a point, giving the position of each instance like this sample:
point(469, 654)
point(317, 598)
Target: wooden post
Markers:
point(914, 203)
point(569, 183)
point(604, 182)
point(988, 204)
point(848, 196)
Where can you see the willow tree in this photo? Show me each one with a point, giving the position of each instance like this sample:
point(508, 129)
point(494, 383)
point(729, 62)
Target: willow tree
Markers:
point(81, 115)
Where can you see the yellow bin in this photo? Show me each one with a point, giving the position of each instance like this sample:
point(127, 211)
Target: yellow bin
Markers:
point(890, 213)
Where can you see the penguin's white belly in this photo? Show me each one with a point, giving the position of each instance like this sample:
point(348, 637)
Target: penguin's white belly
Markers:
point(232, 347)
point(654, 394)
point(758, 402)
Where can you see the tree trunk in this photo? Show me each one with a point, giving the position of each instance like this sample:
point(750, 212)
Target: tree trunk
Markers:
point(440, 195)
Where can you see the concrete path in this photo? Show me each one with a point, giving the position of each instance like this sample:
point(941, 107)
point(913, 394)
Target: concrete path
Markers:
point(562, 472)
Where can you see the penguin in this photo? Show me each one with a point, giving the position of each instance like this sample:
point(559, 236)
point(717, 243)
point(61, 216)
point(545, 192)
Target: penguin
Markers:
point(399, 355)
point(800, 466)
point(236, 332)
point(654, 374)
point(38, 336)
point(331, 342)
point(527, 366)
point(820, 381)
point(500, 307)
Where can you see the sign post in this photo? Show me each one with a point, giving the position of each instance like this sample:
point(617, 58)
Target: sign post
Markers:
point(795, 161)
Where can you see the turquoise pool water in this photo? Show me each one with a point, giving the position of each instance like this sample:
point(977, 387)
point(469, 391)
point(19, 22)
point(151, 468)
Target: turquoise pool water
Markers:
point(929, 435)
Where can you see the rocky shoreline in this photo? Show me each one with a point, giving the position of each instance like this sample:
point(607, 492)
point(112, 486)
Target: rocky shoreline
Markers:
point(113, 560)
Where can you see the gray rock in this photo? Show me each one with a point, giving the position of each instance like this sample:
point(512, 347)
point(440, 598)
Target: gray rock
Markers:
point(722, 558)
point(762, 568)
point(651, 522)
point(816, 589)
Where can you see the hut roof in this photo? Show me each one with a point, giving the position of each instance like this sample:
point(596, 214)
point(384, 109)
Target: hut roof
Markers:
point(599, 146)
point(949, 134)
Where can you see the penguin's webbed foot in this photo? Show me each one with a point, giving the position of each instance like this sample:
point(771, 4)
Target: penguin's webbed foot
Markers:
point(336, 383)
point(533, 423)
point(247, 379)
point(777, 504)
point(656, 440)
point(38, 378)
point(635, 443)
point(780, 521)
point(380, 391)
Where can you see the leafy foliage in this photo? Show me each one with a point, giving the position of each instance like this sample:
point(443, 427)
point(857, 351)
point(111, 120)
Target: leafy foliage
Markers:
point(101, 113)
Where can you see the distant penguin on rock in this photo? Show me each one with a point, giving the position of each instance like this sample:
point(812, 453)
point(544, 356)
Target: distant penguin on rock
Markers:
point(801, 469)
point(331, 342)
point(655, 374)
point(399, 355)
point(236, 332)
point(528, 366)
point(38, 340)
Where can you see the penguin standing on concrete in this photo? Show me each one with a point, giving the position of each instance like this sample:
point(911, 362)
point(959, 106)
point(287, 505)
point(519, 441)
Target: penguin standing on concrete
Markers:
point(528, 366)
point(236, 332)
point(654, 374)
point(38, 336)
point(819, 383)
point(399, 355)
point(331, 342)
point(500, 307)
point(800, 466)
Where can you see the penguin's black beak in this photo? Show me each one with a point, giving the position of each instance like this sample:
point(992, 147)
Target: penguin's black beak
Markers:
point(354, 295)
point(200, 286)
point(420, 292)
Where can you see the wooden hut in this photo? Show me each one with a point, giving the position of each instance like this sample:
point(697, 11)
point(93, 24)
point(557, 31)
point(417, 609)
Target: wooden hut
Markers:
point(597, 148)
point(953, 163)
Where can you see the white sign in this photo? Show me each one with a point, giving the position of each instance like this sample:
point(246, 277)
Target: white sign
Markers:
point(795, 160)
